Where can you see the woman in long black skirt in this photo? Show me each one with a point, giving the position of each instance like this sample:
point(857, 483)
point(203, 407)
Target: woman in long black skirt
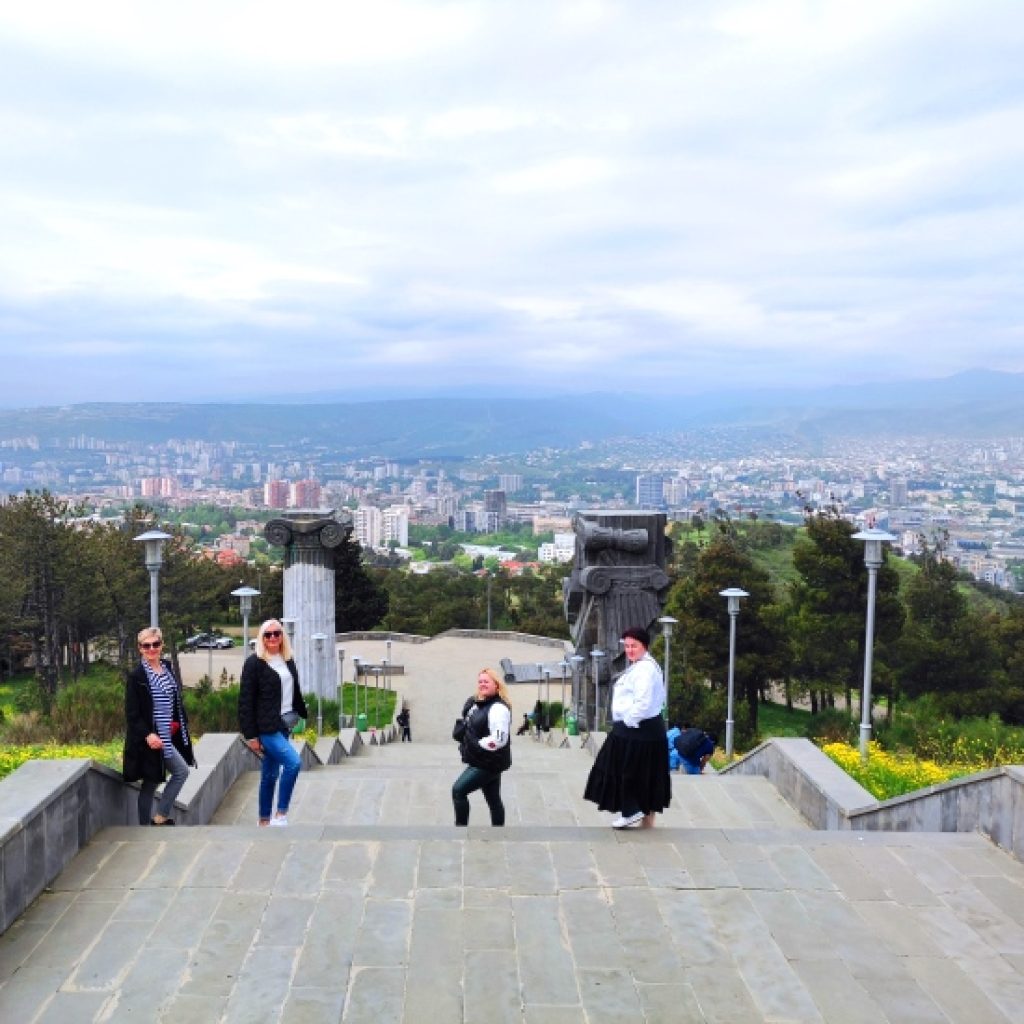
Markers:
point(630, 774)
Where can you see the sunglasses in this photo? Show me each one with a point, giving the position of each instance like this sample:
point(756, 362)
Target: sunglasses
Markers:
point(149, 645)
point(272, 633)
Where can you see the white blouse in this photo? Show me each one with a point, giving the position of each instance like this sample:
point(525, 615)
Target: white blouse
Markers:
point(639, 693)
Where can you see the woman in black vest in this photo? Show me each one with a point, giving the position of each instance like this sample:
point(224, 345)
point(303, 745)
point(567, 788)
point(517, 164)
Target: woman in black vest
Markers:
point(483, 735)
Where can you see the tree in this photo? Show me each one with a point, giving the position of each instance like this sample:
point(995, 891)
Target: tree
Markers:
point(704, 625)
point(945, 649)
point(827, 605)
point(359, 601)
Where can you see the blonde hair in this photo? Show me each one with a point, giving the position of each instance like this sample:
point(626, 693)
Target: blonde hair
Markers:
point(150, 633)
point(261, 648)
point(499, 681)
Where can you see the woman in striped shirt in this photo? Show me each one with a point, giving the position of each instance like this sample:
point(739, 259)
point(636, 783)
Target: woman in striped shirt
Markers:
point(157, 739)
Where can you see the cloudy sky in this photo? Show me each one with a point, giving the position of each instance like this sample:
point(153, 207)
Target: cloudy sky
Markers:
point(227, 200)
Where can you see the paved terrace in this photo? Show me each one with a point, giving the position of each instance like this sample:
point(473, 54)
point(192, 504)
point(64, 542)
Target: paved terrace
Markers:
point(373, 907)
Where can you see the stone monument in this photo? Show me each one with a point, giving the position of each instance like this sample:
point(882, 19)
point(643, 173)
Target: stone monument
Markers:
point(618, 580)
point(309, 538)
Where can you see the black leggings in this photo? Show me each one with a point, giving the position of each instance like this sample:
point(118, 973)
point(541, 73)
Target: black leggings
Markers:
point(471, 780)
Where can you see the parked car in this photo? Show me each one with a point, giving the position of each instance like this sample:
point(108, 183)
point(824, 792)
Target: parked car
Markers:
point(207, 640)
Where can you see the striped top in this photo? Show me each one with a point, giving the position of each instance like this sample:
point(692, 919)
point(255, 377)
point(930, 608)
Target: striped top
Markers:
point(164, 691)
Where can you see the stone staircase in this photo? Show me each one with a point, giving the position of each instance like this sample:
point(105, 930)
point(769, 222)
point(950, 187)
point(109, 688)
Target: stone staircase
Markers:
point(373, 907)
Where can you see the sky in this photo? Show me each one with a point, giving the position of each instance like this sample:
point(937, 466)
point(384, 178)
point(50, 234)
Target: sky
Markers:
point(225, 201)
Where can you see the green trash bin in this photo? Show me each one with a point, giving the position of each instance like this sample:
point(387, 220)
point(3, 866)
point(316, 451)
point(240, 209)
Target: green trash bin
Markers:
point(361, 723)
point(572, 726)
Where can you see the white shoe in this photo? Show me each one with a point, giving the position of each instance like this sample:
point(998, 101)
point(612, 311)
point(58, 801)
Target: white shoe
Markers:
point(621, 822)
point(279, 822)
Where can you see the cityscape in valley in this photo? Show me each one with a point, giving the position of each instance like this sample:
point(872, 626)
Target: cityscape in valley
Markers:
point(965, 495)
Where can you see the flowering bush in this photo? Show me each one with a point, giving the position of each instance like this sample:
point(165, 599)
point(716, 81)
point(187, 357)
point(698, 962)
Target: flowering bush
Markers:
point(887, 775)
point(12, 757)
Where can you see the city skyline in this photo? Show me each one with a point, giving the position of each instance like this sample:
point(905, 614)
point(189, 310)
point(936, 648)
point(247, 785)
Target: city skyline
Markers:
point(227, 203)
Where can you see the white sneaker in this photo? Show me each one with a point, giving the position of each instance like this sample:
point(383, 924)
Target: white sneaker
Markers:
point(620, 821)
point(279, 822)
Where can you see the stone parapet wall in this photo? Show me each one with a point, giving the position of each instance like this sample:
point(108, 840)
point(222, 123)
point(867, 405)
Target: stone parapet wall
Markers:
point(991, 802)
point(49, 810)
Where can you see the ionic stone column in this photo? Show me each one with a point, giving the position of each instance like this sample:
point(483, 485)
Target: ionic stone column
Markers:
point(309, 537)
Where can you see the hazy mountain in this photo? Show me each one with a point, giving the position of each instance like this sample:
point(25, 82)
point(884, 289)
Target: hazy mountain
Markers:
point(974, 404)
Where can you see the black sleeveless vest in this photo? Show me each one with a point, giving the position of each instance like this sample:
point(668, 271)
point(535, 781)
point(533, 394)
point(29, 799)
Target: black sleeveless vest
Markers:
point(476, 729)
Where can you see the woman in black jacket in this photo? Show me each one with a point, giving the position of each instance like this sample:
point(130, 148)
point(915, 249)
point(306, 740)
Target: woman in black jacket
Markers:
point(483, 735)
point(269, 705)
point(156, 739)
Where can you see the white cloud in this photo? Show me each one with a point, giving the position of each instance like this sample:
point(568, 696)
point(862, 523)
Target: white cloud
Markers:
point(427, 190)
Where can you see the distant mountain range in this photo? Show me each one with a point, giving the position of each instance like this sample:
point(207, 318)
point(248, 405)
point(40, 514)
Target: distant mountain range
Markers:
point(974, 404)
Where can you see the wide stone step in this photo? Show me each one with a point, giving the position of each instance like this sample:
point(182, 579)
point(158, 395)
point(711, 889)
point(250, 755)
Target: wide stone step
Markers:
point(409, 785)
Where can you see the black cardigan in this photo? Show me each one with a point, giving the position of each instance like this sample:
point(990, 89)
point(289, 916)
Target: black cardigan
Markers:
point(140, 761)
point(259, 697)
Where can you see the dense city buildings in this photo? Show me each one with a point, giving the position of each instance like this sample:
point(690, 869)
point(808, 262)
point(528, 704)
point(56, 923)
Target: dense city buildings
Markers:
point(965, 496)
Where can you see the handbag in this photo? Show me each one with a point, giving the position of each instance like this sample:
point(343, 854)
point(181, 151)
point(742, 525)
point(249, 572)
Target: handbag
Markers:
point(459, 730)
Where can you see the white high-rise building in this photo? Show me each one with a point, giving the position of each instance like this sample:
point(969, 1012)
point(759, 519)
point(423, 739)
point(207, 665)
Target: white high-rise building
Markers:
point(395, 525)
point(368, 526)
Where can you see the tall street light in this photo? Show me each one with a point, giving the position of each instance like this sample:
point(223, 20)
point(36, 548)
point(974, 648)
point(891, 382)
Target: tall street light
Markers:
point(542, 713)
point(245, 596)
point(595, 661)
point(341, 685)
point(668, 623)
point(873, 540)
point(154, 541)
point(355, 683)
point(319, 639)
point(733, 596)
point(577, 661)
point(565, 713)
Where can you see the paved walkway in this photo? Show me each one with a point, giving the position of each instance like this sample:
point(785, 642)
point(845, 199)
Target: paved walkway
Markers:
point(437, 675)
point(373, 908)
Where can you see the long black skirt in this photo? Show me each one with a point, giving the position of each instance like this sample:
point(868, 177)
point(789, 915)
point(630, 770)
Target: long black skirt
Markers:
point(632, 763)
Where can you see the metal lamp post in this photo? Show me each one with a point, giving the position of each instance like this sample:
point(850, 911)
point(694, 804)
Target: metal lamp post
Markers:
point(595, 662)
point(873, 540)
point(355, 682)
point(376, 695)
point(245, 596)
point(341, 685)
point(319, 639)
point(733, 596)
point(668, 623)
point(541, 710)
point(577, 661)
point(561, 668)
point(154, 541)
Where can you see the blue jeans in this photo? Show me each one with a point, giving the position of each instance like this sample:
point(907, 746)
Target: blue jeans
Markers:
point(175, 764)
point(473, 779)
point(279, 759)
point(691, 767)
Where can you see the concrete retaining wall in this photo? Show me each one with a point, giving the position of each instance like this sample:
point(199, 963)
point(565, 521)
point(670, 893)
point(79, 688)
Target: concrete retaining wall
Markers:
point(49, 810)
point(991, 802)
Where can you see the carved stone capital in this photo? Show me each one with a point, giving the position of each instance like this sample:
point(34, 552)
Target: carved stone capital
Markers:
point(309, 530)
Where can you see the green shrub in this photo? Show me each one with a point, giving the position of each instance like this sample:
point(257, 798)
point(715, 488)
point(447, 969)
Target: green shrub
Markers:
point(831, 726)
point(212, 710)
point(91, 709)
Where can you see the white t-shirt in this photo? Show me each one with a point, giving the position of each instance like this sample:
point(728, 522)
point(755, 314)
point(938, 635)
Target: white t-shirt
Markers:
point(280, 666)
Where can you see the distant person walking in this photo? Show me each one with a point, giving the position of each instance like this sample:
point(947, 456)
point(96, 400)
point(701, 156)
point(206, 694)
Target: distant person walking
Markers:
point(630, 774)
point(270, 705)
point(156, 738)
point(483, 737)
point(404, 723)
